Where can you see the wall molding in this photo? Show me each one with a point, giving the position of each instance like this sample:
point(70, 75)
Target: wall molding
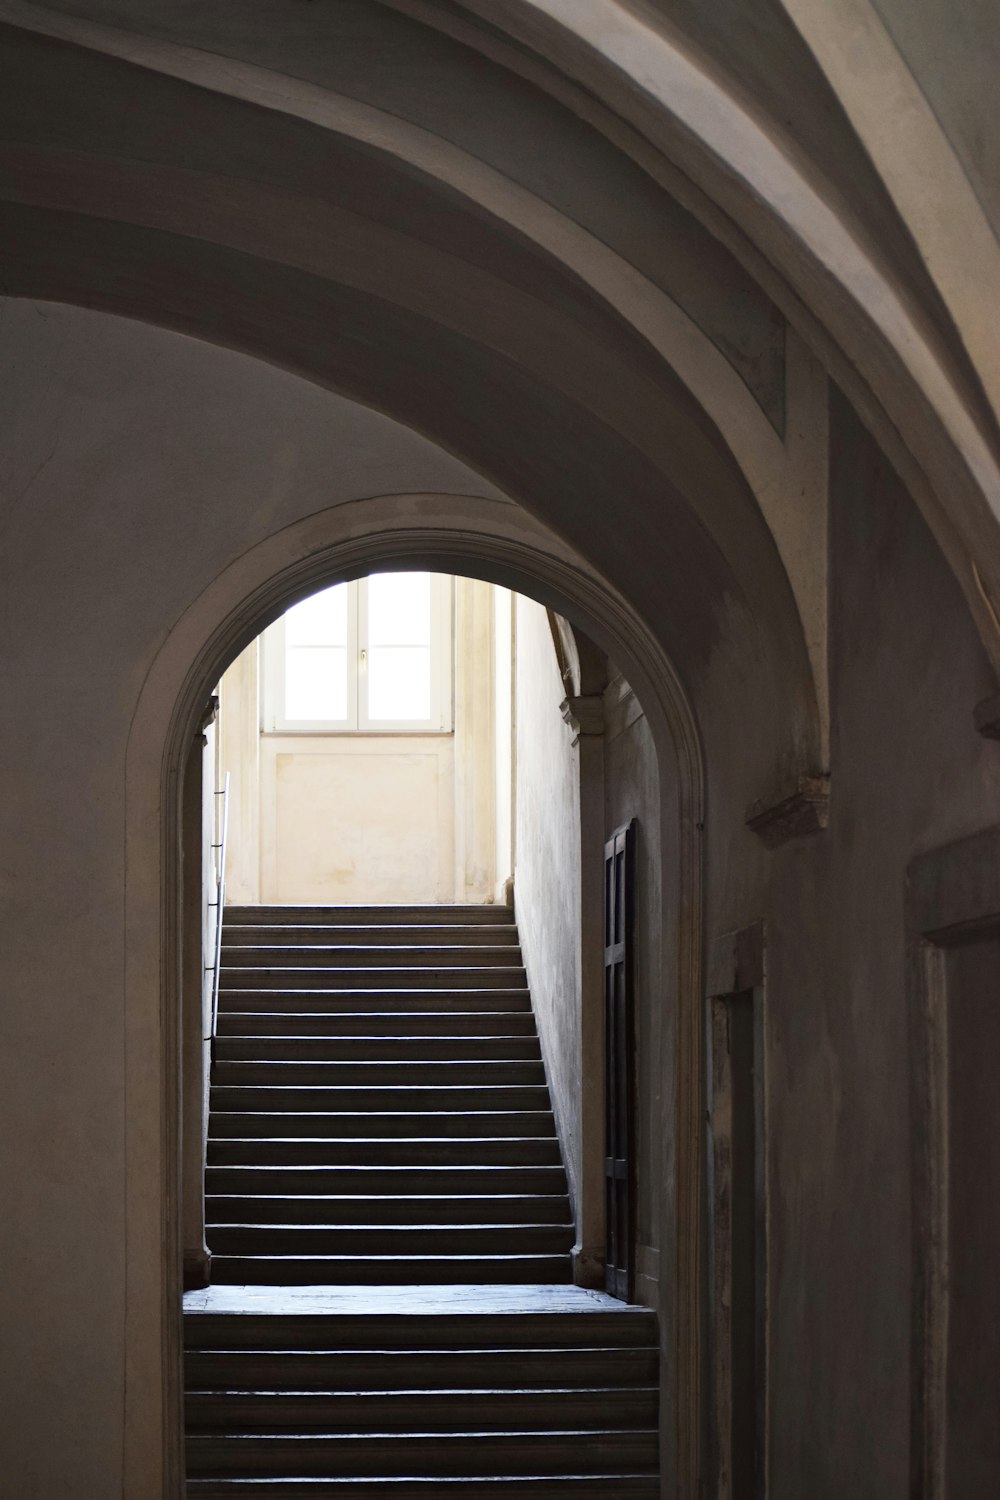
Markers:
point(952, 897)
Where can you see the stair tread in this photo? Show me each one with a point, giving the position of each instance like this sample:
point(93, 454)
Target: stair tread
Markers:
point(465, 1140)
point(459, 1257)
point(594, 1485)
point(392, 1392)
point(420, 1352)
point(409, 968)
point(485, 1168)
point(426, 1116)
point(386, 1228)
point(485, 909)
point(390, 1017)
point(401, 1093)
point(380, 1037)
point(389, 1487)
point(391, 1197)
point(496, 930)
point(402, 1437)
point(402, 950)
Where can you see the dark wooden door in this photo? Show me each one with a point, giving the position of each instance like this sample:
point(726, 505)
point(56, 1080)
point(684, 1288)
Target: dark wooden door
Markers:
point(619, 1059)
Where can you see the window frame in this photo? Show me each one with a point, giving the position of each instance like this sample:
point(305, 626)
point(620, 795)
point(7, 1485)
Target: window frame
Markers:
point(358, 720)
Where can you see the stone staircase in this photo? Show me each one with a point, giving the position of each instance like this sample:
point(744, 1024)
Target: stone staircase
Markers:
point(390, 1230)
point(512, 1392)
point(379, 1111)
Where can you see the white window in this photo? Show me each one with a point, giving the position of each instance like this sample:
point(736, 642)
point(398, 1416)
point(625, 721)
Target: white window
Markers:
point(368, 657)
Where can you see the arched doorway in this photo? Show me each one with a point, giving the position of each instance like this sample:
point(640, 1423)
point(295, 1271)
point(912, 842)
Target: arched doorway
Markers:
point(247, 596)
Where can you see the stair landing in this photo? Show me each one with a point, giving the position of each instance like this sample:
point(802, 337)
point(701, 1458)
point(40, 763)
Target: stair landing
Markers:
point(402, 1301)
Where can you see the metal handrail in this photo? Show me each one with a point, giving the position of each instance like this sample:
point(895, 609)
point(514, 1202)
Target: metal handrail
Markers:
point(219, 903)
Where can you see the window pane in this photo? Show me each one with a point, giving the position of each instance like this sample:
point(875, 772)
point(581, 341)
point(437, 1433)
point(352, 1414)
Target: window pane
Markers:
point(399, 682)
point(316, 682)
point(320, 620)
point(399, 609)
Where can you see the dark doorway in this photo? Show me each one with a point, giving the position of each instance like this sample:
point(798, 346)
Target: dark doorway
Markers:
point(619, 1058)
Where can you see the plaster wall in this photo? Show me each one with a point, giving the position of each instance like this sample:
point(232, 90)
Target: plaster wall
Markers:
point(355, 821)
point(136, 466)
point(909, 772)
point(550, 903)
point(547, 871)
point(475, 777)
point(239, 754)
point(953, 52)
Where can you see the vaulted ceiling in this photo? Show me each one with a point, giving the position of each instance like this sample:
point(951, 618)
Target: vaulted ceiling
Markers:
point(602, 252)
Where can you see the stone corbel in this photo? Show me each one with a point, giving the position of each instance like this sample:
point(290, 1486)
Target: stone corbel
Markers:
point(584, 715)
point(804, 810)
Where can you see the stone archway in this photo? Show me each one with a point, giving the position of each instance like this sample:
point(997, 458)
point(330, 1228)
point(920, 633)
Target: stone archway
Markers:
point(495, 544)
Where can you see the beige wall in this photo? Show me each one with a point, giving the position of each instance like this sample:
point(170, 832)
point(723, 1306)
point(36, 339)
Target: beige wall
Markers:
point(547, 872)
point(585, 767)
point(351, 820)
point(239, 755)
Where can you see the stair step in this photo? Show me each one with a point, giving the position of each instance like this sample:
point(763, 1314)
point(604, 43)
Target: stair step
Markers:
point(378, 1048)
point(390, 1152)
point(423, 1074)
point(335, 954)
point(428, 914)
point(466, 1209)
point(468, 1329)
point(388, 1410)
point(431, 1454)
point(432, 1125)
point(388, 1270)
point(367, 934)
point(414, 1369)
point(381, 1181)
point(438, 1487)
point(288, 1021)
point(404, 1240)
point(387, 977)
point(363, 1101)
point(375, 1002)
